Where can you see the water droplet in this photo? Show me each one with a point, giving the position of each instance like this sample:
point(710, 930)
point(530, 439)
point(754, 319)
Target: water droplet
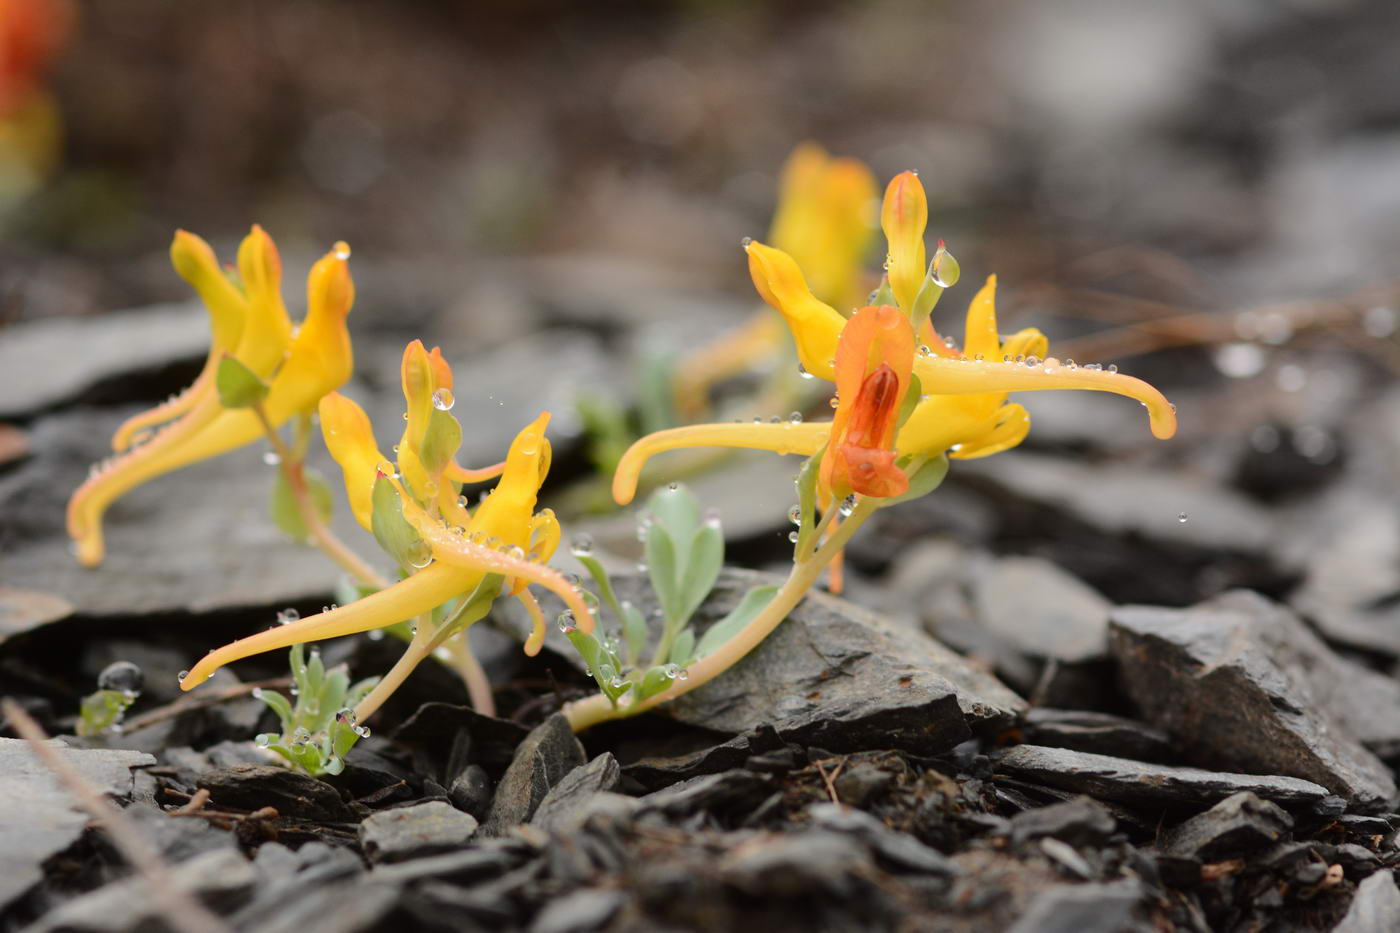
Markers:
point(673, 486)
point(1032, 361)
point(682, 674)
point(746, 242)
point(181, 676)
point(443, 400)
point(802, 371)
point(1182, 517)
point(589, 600)
point(795, 417)
point(264, 740)
point(566, 622)
point(795, 514)
point(515, 551)
point(1113, 367)
point(375, 634)
point(711, 517)
point(123, 676)
point(385, 468)
point(617, 682)
point(792, 536)
point(848, 505)
point(835, 402)
point(641, 567)
point(950, 343)
point(342, 250)
point(271, 458)
point(257, 693)
point(362, 731)
point(287, 616)
point(671, 670)
point(925, 350)
point(581, 545)
point(1070, 364)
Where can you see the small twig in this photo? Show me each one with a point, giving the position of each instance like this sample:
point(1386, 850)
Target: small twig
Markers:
point(194, 805)
point(199, 701)
point(180, 910)
point(830, 780)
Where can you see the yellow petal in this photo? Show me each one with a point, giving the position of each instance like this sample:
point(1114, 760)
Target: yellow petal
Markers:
point(320, 358)
point(461, 474)
point(508, 510)
point(350, 439)
point(981, 340)
point(1025, 343)
point(267, 331)
point(903, 217)
point(940, 376)
point(422, 592)
point(786, 438)
point(815, 325)
point(535, 642)
point(1009, 429)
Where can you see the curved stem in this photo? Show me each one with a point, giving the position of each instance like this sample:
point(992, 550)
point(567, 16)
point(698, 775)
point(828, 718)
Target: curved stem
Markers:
point(292, 465)
point(419, 648)
point(584, 713)
point(468, 668)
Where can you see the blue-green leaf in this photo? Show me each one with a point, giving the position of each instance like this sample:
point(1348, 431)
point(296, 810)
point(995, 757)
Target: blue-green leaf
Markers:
point(741, 615)
point(700, 572)
point(634, 631)
point(239, 386)
point(399, 539)
point(285, 513)
point(924, 481)
point(683, 648)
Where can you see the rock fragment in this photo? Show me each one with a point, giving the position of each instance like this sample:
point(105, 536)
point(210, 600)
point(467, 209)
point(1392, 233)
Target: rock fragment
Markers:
point(546, 755)
point(1240, 823)
point(567, 800)
point(421, 829)
point(292, 794)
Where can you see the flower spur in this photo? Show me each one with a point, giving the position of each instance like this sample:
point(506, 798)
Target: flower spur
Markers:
point(457, 560)
point(250, 324)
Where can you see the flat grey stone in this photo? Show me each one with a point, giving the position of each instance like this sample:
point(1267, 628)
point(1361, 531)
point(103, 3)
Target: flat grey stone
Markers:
point(421, 829)
point(1041, 610)
point(1079, 822)
point(1100, 733)
point(832, 675)
point(1376, 906)
point(291, 793)
point(222, 880)
point(39, 817)
point(736, 790)
point(1242, 684)
point(803, 864)
point(546, 755)
point(1240, 823)
point(566, 800)
point(1122, 499)
point(900, 850)
point(114, 344)
point(579, 911)
point(1081, 908)
point(1139, 782)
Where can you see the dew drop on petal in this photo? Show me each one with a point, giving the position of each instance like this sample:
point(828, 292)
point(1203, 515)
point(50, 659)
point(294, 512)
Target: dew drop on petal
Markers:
point(287, 616)
point(581, 545)
point(443, 400)
point(271, 458)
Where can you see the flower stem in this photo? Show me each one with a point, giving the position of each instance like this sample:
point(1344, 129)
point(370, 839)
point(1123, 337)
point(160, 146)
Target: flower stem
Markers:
point(418, 648)
point(292, 464)
point(584, 713)
point(469, 669)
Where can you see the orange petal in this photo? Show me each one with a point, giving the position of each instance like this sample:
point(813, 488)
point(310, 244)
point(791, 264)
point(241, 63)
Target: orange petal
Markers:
point(903, 216)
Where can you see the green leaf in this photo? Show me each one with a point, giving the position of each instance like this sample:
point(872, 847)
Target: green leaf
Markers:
point(656, 393)
point(634, 631)
point(605, 426)
point(911, 399)
point(440, 441)
point(395, 535)
point(701, 571)
point(660, 553)
point(653, 682)
point(599, 573)
point(807, 500)
point(279, 705)
point(741, 615)
point(924, 481)
point(239, 386)
point(99, 711)
point(675, 508)
point(884, 295)
point(683, 648)
point(285, 514)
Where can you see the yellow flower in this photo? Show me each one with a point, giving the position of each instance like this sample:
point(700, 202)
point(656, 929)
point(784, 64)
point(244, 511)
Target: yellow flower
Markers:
point(823, 220)
point(962, 408)
point(415, 507)
point(248, 322)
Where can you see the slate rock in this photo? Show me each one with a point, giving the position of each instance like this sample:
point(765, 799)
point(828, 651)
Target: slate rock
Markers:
point(39, 817)
point(295, 795)
point(1100, 733)
point(569, 798)
point(579, 911)
point(418, 829)
point(802, 864)
point(861, 783)
point(159, 556)
point(1081, 908)
point(1041, 610)
point(737, 791)
point(1375, 907)
point(1140, 782)
point(1079, 822)
point(900, 850)
point(441, 733)
point(484, 859)
point(347, 906)
point(115, 344)
point(1243, 685)
point(1240, 823)
point(654, 772)
point(222, 880)
point(546, 755)
point(836, 676)
point(471, 791)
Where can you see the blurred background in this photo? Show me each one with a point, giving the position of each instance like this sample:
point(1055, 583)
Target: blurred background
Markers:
point(1191, 155)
